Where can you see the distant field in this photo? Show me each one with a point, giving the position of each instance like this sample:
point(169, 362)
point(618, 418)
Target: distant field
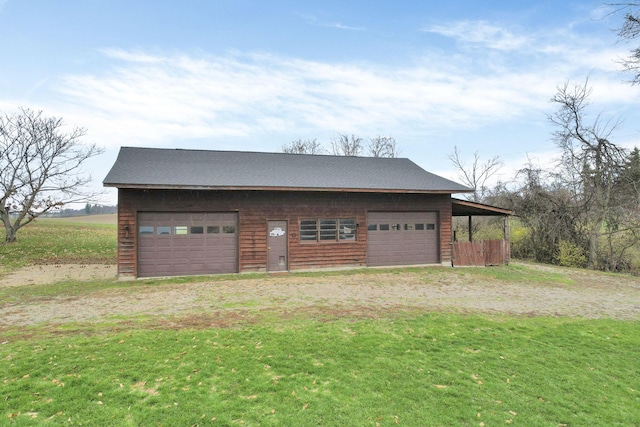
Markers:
point(88, 219)
point(83, 240)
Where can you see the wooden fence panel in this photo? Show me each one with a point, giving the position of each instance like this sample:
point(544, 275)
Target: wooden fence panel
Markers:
point(480, 253)
point(494, 252)
point(467, 254)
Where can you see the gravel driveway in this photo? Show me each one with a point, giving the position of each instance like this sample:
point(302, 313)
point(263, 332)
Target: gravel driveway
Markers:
point(220, 302)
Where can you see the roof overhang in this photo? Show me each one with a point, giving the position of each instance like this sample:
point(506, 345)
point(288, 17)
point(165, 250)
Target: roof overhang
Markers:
point(466, 208)
point(265, 188)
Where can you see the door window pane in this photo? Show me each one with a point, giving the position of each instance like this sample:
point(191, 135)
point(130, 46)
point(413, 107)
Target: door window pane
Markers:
point(146, 229)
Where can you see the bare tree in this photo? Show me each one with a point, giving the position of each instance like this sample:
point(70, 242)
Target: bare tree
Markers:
point(342, 145)
point(40, 167)
point(590, 162)
point(303, 146)
point(476, 175)
point(345, 145)
point(382, 146)
point(548, 211)
point(630, 31)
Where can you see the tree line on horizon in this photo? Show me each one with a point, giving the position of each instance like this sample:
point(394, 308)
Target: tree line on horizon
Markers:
point(346, 145)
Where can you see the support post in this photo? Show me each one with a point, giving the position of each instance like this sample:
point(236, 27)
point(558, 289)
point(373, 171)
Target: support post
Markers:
point(507, 239)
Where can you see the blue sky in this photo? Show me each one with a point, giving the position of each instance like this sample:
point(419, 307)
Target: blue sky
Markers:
point(255, 75)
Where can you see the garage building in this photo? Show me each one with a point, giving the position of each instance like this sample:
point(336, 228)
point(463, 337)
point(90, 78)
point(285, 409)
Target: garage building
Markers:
point(187, 212)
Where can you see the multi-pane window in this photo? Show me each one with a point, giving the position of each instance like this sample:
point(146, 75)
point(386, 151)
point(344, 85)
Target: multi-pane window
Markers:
point(309, 230)
point(186, 230)
point(328, 230)
point(400, 227)
point(347, 229)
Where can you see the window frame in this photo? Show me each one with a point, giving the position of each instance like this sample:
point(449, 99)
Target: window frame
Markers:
point(327, 230)
point(309, 231)
point(146, 230)
point(164, 230)
point(180, 230)
point(347, 227)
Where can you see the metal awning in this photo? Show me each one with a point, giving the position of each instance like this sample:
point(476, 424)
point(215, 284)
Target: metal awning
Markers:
point(467, 208)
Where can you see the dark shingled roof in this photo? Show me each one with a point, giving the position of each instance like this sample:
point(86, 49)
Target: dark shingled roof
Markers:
point(203, 169)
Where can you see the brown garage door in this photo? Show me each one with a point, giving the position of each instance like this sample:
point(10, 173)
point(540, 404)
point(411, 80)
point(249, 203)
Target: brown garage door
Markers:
point(402, 238)
point(174, 244)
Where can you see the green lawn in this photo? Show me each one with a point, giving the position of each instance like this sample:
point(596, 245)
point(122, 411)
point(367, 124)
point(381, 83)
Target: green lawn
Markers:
point(417, 370)
point(281, 369)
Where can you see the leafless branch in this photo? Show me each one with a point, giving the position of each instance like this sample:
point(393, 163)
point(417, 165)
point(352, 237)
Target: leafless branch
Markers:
point(342, 145)
point(382, 146)
point(303, 146)
point(477, 175)
point(40, 167)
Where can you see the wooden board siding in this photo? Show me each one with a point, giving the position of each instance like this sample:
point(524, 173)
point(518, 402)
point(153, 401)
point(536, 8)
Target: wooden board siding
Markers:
point(255, 208)
point(481, 253)
point(127, 263)
point(468, 254)
point(496, 252)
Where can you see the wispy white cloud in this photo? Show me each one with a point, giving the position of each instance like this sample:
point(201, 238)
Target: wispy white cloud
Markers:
point(481, 33)
point(341, 26)
point(314, 20)
point(151, 98)
point(148, 97)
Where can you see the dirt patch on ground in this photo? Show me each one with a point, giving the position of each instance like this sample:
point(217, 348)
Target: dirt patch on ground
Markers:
point(226, 302)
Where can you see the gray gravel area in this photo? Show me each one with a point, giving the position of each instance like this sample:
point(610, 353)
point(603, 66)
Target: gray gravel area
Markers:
point(590, 295)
